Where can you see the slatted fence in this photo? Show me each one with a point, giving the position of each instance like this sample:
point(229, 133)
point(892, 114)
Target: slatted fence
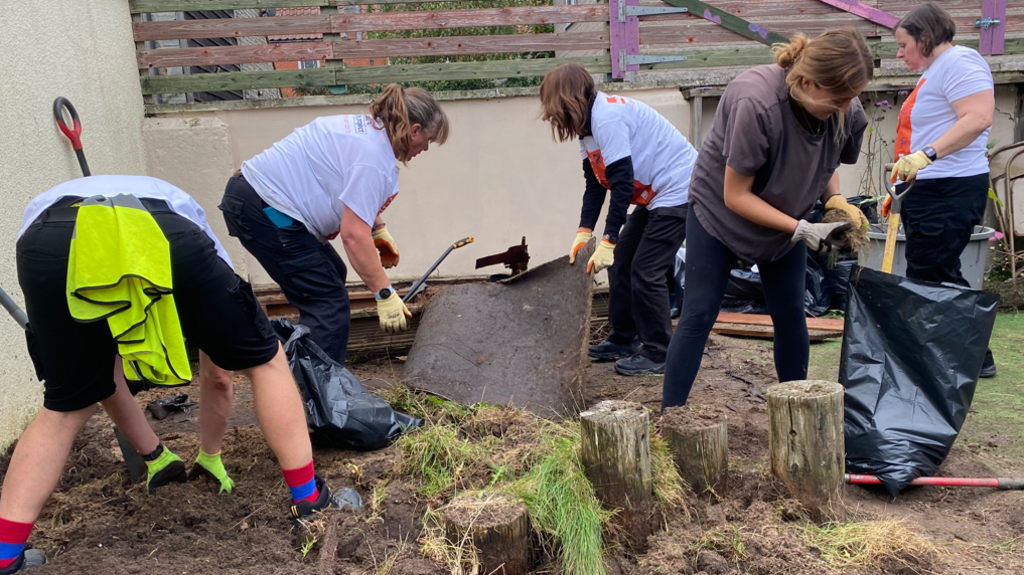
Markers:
point(615, 37)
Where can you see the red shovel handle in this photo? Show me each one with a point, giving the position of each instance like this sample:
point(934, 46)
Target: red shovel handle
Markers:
point(75, 135)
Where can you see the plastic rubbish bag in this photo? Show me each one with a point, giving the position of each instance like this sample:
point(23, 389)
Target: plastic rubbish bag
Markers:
point(912, 351)
point(678, 283)
point(340, 412)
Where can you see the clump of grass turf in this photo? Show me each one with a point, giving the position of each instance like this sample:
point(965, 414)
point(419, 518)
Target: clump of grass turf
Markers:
point(438, 456)
point(727, 542)
point(669, 486)
point(562, 505)
point(876, 544)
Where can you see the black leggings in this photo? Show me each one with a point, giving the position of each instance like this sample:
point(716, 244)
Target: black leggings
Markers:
point(708, 263)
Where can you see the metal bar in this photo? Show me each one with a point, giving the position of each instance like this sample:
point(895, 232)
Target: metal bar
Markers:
point(998, 483)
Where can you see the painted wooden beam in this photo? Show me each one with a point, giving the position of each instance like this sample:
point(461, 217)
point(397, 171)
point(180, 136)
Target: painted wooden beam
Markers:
point(864, 11)
point(992, 35)
point(729, 21)
point(323, 77)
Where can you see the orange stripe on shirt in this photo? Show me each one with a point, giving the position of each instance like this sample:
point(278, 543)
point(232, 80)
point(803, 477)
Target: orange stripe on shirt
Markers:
point(904, 129)
point(642, 193)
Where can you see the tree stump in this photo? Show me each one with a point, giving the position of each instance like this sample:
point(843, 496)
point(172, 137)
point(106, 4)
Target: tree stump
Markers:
point(493, 532)
point(805, 441)
point(616, 457)
point(698, 438)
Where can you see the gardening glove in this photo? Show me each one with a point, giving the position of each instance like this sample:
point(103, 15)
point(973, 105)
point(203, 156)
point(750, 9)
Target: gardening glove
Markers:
point(603, 257)
point(385, 244)
point(838, 202)
point(906, 168)
point(392, 313)
point(583, 236)
point(211, 466)
point(821, 237)
point(886, 206)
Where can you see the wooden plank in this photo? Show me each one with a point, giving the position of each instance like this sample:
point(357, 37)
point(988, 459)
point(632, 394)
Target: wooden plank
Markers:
point(756, 319)
point(230, 27)
point(730, 21)
point(137, 6)
point(291, 52)
point(210, 55)
point(183, 83)
point(425, 19)
point(366, 75)
point(864, 11)
point(767, 332)
point(696, 35)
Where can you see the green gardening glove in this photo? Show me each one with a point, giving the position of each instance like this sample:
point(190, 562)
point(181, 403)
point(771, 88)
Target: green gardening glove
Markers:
point(212, 467)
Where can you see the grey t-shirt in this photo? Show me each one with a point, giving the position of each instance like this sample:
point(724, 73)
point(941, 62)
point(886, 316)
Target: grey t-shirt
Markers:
point(757, 134)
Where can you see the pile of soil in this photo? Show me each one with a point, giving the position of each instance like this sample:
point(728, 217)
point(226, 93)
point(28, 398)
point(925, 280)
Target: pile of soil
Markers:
point(856, 237)
point(98, 522)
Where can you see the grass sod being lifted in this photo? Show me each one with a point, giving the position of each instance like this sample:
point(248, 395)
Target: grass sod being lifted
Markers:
point(521, 341)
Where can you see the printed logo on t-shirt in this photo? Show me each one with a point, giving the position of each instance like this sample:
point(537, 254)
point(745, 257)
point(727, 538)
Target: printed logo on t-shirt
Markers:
point(387, 203)
point(360, 124)
point(642, 193)
point(619, 100)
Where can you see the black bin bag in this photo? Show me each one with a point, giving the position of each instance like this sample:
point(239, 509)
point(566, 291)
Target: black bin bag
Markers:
point(912, 351)
point(340, 412)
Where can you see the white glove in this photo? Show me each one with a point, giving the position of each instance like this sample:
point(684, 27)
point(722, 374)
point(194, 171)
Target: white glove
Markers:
point(821, 238)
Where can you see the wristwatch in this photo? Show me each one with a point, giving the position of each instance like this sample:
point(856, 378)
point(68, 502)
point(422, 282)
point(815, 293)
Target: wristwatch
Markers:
point(931, 153)
point(611, 237)
point(385, 293)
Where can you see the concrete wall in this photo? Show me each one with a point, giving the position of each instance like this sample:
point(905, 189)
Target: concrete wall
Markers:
point(85, 53)
point(499, 177)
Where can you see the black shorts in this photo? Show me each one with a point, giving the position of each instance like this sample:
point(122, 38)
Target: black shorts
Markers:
point(218, 312)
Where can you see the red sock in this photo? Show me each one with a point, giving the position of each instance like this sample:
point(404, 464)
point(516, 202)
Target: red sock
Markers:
point(301, 483)
point(13, 536)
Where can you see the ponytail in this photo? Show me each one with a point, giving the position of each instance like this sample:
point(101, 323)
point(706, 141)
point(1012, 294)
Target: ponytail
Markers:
point(397, 109)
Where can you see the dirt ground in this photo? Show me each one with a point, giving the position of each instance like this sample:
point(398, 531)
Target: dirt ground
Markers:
point(97, 522)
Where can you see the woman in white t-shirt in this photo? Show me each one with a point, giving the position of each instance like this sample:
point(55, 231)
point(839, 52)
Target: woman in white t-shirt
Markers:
point(630, 149)
point(333, 177)
point(941, 141)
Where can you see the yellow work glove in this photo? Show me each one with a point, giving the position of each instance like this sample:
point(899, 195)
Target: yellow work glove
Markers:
point(393, 313)
point(583, 236)
point(838, 202)
point(906, 168)
point(603, 257)
point(385, 244)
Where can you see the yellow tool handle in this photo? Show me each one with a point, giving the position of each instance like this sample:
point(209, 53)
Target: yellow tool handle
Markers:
point(890, 243)
point(462, 242)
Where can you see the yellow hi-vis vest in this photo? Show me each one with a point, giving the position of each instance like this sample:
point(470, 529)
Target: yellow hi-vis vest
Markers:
point(119, 269)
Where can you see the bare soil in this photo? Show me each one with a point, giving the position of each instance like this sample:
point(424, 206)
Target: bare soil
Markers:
point(97, 522)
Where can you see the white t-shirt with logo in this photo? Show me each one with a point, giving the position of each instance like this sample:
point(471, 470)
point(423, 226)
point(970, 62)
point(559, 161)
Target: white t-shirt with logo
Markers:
point(330, 163)
point(927, 113)
point(139, 186)
point(662, 158)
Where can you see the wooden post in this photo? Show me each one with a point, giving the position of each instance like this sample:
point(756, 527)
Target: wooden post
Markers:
point(494, 530)
point(805, 441)
point(616, 457)
point(699, 442)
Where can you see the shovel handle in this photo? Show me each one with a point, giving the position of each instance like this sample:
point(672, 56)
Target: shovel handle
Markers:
point(73, 133)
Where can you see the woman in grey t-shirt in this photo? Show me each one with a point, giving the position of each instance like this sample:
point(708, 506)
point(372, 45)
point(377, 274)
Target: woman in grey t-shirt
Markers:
point(780, 132)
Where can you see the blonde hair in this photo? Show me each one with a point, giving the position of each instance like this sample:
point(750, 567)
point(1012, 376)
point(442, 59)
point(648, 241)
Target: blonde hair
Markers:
point(838, 61)
point(397, 109)
point(566, 95)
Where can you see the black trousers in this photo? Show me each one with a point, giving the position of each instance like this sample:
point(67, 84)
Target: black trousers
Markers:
point(939, 217)
point(708, 263)
point(638, 293)
point(311, 274)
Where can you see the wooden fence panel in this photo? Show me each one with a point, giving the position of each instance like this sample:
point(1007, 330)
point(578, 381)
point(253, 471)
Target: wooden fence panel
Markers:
point(208, 56)
point(423, 19)
point(366, 75)
point(442, 46)
point(231, 27)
